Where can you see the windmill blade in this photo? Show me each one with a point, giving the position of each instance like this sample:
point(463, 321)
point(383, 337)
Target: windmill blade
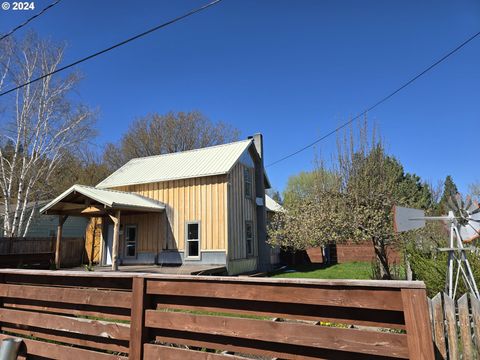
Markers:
point(468, 203)
point(453, 206)
point(476, 208)
point(471, 230)
point(459, 200)
point(473, 206)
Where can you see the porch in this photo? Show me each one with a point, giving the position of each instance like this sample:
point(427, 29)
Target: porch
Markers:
point(112, 205)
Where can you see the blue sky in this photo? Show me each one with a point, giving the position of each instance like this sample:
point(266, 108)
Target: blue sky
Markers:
point(292, 70)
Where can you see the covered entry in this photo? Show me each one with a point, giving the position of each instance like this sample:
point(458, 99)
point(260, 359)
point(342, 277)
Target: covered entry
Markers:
point(87, 201)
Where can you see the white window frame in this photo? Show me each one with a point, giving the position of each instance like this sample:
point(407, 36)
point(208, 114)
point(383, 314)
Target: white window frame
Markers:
point(125, 232)
point(187, 255)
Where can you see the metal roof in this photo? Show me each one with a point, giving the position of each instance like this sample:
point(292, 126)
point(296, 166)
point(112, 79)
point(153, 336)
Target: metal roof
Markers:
point(272, 205)
point(213, 160)
point(109, 198)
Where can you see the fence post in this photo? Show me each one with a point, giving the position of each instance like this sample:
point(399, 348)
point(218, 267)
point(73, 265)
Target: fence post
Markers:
point(138, 332)
point(417, 323)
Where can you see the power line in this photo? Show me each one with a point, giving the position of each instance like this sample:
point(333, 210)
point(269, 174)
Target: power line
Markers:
point(30, 19)
point(381, 101)
point(191, 12)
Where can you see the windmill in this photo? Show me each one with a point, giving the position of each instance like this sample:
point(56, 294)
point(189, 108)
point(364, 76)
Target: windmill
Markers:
point(464, 222)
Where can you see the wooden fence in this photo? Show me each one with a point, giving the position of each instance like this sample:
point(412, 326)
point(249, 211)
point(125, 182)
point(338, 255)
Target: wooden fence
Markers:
point(109, 316)
point(455, 326)
point(72, 250)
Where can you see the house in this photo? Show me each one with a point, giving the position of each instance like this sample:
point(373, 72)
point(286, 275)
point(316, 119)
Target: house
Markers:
point(46, 226)
point(204, 206)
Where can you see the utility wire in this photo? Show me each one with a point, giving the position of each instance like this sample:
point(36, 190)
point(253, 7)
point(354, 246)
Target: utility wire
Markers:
point(29, 19)
point(381, 101)
point(191, 12)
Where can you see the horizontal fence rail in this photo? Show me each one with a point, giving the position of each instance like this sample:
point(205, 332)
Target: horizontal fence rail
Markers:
point(67, 315)
point(145, 316)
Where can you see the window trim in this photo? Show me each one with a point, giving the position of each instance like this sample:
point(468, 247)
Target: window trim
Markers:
point(186, 254)
point(125, 240)
point(252, 253)
point(248, 170)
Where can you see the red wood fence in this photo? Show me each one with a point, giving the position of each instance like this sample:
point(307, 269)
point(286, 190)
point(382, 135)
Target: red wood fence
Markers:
point(145, 316)
point(39, 252)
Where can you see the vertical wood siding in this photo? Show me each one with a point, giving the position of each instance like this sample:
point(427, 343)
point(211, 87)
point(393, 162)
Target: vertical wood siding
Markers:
point(197, 199)
point(93, 239)
point(241, 209)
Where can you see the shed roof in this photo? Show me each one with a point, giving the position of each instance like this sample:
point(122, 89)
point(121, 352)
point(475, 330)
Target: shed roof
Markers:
point(272, 205)
point(108, 198)
point(209, 161)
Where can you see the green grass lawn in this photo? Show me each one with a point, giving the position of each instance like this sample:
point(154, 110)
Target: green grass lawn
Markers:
point(352, 270)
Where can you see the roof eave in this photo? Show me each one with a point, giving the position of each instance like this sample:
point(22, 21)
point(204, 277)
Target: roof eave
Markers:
point(120, 206)
point(72, 189)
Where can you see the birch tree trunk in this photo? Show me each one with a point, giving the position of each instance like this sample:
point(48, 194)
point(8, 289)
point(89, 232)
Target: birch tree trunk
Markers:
point(38, 124)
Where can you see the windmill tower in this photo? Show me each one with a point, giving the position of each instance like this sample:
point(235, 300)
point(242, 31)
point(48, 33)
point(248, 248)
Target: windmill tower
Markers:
point(464, 223)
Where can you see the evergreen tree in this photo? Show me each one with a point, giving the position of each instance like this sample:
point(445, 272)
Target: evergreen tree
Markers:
point(449, 190)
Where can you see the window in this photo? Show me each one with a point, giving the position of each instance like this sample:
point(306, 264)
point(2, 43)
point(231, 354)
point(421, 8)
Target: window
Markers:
point(192, 246)
point(247, 179)
point(130, 240)
point(249, 237)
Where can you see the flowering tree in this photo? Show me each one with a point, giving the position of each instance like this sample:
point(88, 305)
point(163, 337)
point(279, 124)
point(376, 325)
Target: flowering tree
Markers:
point(357, 206)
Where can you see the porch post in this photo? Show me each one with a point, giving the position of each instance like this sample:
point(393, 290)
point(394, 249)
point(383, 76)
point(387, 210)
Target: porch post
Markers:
point(61, 221)
point(116, 239)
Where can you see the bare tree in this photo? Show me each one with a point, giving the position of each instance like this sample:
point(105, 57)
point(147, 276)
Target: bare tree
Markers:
point(82, 167)
point(157, 134)
point(474, 189)
point(39, 123)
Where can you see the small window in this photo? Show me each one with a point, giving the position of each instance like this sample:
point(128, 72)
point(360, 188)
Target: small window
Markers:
point(247, 178)
point(192, 246)
point(249, 237)
point(130, 240)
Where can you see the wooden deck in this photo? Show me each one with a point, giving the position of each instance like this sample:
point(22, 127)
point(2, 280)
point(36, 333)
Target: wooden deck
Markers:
point(158, 269)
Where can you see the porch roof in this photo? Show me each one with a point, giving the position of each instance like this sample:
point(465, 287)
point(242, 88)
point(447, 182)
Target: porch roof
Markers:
point(82, 200)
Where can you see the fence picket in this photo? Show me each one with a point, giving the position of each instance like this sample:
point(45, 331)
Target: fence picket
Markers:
point(475, 303)
point(465, 330)
point(451, 327)
point(439, 326)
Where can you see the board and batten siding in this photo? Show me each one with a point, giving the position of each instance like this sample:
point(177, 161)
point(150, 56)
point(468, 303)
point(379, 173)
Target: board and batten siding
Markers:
point(241, 209)
point(201, 199)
